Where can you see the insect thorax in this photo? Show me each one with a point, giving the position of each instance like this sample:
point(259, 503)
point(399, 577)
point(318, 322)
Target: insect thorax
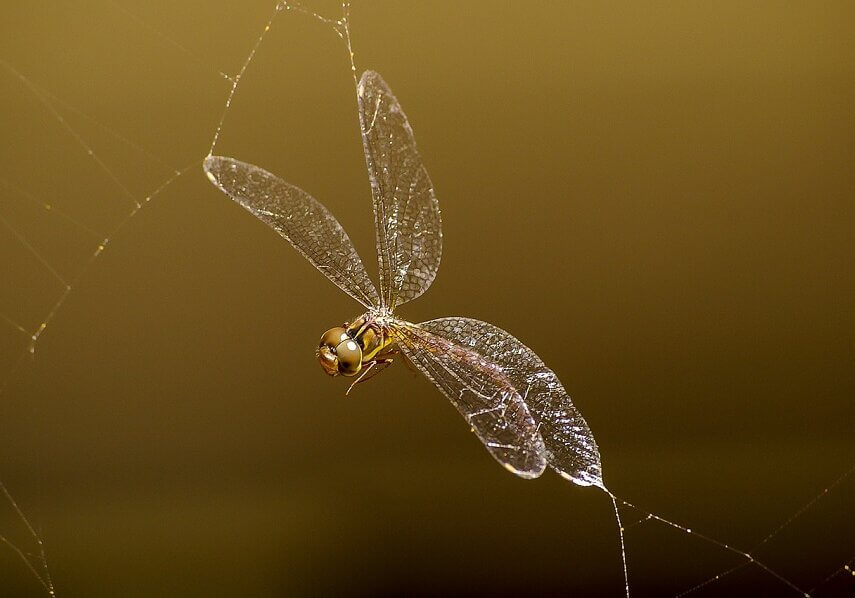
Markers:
point(370, 332)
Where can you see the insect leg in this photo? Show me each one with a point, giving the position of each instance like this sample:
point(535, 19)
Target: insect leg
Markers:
point(374, 368)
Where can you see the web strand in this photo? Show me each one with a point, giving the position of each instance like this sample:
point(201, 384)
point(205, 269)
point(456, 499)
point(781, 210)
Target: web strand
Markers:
point(192, 56)
point(622, 542)
point(43, 576)
point(71, 131)
point(807, 506)
point(34, 252)
point(845, 568)
point(47, 207)
point(236, 81)
point(13, 324)
point(42, 572)
point(340, 26)
point(47, 100)
point(53, 98)
point(750, 559)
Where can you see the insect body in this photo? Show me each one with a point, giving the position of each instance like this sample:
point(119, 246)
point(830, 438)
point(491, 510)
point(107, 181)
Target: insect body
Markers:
point(515, 404)
point(349, 349)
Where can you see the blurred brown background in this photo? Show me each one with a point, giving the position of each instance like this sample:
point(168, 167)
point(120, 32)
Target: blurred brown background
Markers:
point(656, 197)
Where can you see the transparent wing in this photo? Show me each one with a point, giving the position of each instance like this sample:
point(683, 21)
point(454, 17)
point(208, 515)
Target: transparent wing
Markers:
point(483, 394)
point(299, 218)
point(406, 213)
point(570, 446)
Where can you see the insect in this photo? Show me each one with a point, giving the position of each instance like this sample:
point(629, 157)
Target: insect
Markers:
point(514, 404)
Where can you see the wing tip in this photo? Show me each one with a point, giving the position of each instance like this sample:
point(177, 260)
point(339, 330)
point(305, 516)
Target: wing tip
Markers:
point(375, 79)
point(369, 73)
point(208, 169)
point(526, 475)
point(222, 171)
point(583, 478)
point(212, 166)
point(209, 162)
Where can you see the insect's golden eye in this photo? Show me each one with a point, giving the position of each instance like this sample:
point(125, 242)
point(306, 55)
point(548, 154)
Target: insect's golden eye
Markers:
point(333, 337)
point(349, 355)
point(327, 349)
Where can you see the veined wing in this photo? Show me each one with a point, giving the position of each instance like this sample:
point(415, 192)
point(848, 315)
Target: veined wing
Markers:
point(299, 218)
point(483, 394)
point(570, 446)
point(406, 212)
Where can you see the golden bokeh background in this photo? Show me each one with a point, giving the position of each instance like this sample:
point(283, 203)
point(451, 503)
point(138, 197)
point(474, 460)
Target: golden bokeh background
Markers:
point(656, 197)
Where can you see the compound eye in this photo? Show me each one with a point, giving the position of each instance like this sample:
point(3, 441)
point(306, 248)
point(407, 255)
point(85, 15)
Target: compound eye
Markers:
point(327, 349)
point(349, 356)
point(333, 337)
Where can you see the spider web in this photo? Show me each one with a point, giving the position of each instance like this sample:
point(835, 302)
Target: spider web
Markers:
point(55, 236)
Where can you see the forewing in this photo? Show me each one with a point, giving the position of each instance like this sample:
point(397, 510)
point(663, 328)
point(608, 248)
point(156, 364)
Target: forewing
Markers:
point(483, 394)
point(570, 446)
point(406, 212)
point(299, 218)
